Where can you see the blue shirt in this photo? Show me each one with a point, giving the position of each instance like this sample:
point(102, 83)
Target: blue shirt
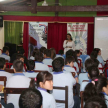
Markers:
point(100, 59)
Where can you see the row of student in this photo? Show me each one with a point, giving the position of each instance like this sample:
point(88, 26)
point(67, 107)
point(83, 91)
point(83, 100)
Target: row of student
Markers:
point(45, 81)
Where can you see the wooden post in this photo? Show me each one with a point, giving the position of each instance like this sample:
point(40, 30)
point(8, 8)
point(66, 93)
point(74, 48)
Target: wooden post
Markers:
point(33, 6)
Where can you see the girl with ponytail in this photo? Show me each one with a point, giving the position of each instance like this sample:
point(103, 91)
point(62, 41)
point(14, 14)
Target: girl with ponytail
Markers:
point(44, 82)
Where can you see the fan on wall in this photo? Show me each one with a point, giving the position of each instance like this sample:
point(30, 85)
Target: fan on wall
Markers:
point(49, 4)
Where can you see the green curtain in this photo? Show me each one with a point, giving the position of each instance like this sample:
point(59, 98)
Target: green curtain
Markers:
point(12, 32)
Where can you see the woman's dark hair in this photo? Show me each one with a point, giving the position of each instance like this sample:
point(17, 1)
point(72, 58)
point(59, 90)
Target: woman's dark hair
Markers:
point(95, 88)
point(35, 51)
point(39, 57)
point(30, 65)
point(93, 55)
point(95, 102)
point(97, 50)
point(53, 53)
point(93, 72)
point(69, 60)
point(41, 77)
point(57, 64)
point(70, 36)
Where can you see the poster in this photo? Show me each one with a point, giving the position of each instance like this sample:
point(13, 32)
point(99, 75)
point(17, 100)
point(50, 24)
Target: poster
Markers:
point(79, 32)
point(37, 35)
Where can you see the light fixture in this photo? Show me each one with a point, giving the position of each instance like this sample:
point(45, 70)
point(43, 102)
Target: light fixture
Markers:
point(44, 3)
point(2, 0)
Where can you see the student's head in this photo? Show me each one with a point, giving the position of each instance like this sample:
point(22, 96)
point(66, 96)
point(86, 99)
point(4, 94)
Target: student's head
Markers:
point(69, 37)
point(2, 63)
point(98, 50)
point(20, 57)
point(30, 98)
point(45, 80)
point(69, 61)
point(39, 57)
point(53, 53)
point(61, 52)
point(35, 51)
point(95, 88)
point(88, 63)
point(47, 53)
point(78, 53)
point(93, 72)
point(30, 65)
point(69, 53)
point(96, 62)
point(6, 50)
point(93, 55)
point(58, 64)
point(18, 66)
point(95, 102)
point(42, 49)
point(21, 51)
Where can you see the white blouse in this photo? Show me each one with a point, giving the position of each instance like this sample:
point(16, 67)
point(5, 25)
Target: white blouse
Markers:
point(69, 44)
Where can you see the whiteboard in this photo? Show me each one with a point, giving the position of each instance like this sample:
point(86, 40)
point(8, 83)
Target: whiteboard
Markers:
point(101, 35)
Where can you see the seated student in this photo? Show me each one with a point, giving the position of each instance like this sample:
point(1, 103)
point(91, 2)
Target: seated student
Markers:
point(19, 51)
point(93, 73)
point(61, 79)
point(18, 80)
point(30, 98)
point(69, 63)
point(5, 53)
point(39, 65)
point(84, 76)
point(44, 81)
point(99, 57)
point(60, 54)
point(73, 54)
point(30, 69)
point(47, 57)
point(53, 53)
point(20, 57)
point(42, 50)
point(78, 57)
point(95, 102)
point(2, 71)
point(33, 54)
point(97, 87)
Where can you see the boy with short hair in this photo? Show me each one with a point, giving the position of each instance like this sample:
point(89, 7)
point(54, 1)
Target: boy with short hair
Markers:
point(5, 53)
point(61, 79)
point(69, 63)
point(30, 98)
point(47, 57)
point(18, 80)
point(60, 54)
point(30, 69)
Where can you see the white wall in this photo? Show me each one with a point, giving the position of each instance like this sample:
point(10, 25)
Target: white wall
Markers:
point(1, 37)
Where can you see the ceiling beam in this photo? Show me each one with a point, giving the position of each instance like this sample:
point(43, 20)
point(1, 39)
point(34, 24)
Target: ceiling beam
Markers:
point(33, 6)
point(100, 8)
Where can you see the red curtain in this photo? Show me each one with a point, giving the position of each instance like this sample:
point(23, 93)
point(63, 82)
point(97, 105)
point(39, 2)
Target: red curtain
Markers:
point(56, 35)
point(25, 38)
point(90, 40)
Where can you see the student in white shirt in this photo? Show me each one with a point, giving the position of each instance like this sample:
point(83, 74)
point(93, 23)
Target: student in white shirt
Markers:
point(2, 70)
point(20, 57)
point(97, 87)
point(61, 79)
point(84, 76)
point(5, 53)
point(33, 54)
point(60, 54)
point(73, 54)
point(44, 81)
point(69, 63)
point(95, 102)
point(30, 69)
point(39, 65)
point(47, 57)
point(18, 80)
point(30, 98)
point(93, 73)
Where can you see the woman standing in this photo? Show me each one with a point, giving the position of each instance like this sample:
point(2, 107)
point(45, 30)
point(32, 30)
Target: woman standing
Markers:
point(68, 44)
